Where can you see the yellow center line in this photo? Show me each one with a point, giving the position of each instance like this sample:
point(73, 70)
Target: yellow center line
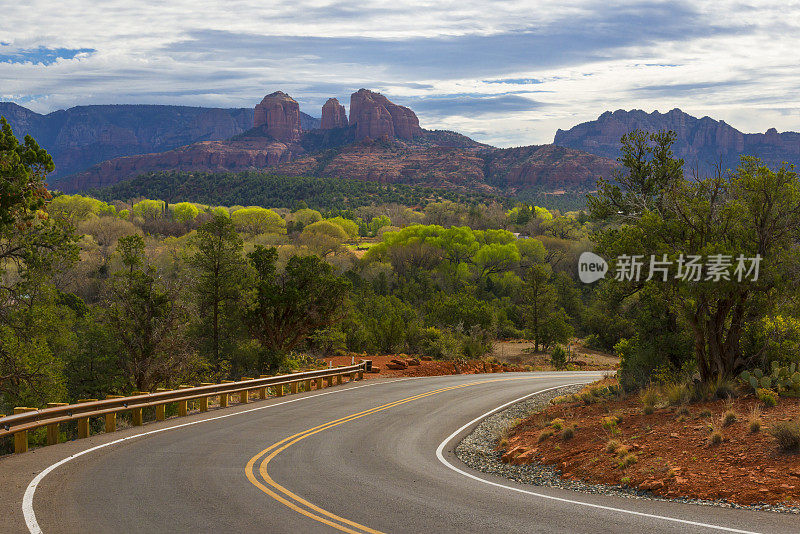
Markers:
point(282, 445)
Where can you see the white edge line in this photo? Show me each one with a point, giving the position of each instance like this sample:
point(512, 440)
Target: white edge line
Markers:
point(27, 499)
point(448, 439)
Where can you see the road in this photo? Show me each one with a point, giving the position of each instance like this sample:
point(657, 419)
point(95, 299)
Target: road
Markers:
point(355, 458)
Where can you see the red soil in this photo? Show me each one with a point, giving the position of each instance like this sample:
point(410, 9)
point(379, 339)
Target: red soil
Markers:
point(425, 368)
point(673, 453)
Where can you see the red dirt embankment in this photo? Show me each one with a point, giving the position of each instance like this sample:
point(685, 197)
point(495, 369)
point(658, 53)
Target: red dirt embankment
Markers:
point(425, 368)
point(669, 452)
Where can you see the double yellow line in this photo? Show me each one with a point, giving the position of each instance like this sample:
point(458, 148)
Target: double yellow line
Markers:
point(302, 506)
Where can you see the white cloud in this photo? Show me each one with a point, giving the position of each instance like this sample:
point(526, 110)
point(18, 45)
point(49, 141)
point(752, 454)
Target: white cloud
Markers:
point(728, 60)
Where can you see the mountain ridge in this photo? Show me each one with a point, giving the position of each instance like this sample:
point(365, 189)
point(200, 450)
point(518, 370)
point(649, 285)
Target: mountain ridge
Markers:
point(701, 142)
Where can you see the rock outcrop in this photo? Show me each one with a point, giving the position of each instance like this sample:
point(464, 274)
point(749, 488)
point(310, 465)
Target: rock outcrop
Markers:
point(333, 115)
point(700, 142)
point(279, 115)
point(376, 117)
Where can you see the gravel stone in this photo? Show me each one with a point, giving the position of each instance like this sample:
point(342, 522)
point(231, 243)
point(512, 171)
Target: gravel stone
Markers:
point(479, 450)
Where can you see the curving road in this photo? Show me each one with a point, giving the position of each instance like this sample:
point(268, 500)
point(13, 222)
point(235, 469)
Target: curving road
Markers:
point(356, 458)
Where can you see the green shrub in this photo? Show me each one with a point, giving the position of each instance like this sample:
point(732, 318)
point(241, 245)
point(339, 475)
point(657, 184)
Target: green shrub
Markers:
point(787, 434)
point(557, 423)
point(767, 397)
point(611, 424)
point(627, 460)
point(558, 357)
point(677, 394)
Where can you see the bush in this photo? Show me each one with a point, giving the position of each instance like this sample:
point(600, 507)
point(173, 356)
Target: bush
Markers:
point(558, 357)
point(610, 424)
point(755, 420)
point(767, 397)
point(568, 433)
point(557, 423)
point(612, 445)
point(787, 434)
point(628, 460)
point(678, 394)
point(716, 437)
point(544, 434)
point(729, 417)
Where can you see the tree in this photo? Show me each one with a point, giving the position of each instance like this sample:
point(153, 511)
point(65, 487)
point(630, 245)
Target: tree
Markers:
point(289, 306)
point(540, 301)
point(255, 220)
point(31, 246)
point(220, 270)
point(149, 321)
point(655, 210)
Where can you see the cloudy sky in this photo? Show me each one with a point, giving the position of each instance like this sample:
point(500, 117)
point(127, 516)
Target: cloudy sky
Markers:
point(506, 73)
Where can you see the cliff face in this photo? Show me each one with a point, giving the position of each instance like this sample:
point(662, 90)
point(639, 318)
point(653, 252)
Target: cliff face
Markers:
point(376, 117)
point(381, 142)
point(279, 115)
point(700, 142)
point(333, 115)
point(80, 137)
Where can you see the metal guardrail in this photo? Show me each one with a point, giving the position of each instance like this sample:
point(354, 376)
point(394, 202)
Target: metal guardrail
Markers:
point(25, 419)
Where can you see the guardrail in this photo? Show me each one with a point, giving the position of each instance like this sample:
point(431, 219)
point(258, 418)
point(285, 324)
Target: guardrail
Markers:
point(26, 419)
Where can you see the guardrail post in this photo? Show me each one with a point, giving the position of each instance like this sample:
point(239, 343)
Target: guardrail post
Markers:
point(21, 438)
point(161, 409)
point(111, 418)
point(353, 376)
point(52, 428)
point(328, 381)
point(293, 388)
point(279, 390)
point(319, 383)
point(204, 400)
point(224, 397)
point(183, 406)
point(137, 419)
point(83, 422)
point(307, 385)
point(338, 380)
point(263, 391)
point(244, 396)
point(361, 375)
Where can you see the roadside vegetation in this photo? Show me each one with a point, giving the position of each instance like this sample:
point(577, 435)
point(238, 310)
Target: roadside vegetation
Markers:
point(103, 297)
point(707, 399)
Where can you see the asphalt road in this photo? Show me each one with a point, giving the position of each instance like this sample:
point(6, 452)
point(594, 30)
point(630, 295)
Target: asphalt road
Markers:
point(359, 458)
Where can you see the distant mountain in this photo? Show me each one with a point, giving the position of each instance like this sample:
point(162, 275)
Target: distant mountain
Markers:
point(82, 136)
point(700, 142)
point(380, 141)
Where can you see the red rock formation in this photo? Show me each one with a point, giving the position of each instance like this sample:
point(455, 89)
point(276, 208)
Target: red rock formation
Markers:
point(333, 115)
point(375, 116)
point(279, 115)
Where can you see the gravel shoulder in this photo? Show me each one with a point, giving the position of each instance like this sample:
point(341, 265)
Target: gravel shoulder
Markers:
point(479, 451)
